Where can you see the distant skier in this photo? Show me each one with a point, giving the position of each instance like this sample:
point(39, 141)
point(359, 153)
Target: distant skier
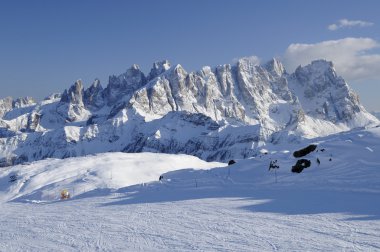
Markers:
point(318, 161)
point(160, 178)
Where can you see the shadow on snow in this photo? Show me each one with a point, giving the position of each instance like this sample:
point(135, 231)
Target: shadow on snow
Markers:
point(359, 205)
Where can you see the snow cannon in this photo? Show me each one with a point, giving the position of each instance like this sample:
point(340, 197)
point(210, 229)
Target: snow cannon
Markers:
point(65, 194)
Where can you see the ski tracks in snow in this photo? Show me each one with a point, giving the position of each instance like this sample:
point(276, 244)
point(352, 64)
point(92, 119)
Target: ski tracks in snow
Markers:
point(208, 224)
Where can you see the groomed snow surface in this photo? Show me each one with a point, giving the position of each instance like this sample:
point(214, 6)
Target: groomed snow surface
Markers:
point(118, 204)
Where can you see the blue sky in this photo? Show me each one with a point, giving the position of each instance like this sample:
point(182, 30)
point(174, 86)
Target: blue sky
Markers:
point(46, 45)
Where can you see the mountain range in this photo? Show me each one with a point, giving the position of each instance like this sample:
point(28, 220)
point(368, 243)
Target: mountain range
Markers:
point(217, 113)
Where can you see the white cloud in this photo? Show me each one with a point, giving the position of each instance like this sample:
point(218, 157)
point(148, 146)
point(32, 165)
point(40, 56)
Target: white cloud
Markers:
point(352, 57)
point(343, 23)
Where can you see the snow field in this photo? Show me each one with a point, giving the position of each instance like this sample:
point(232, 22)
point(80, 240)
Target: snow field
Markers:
point(333, 206)
point(44, 180)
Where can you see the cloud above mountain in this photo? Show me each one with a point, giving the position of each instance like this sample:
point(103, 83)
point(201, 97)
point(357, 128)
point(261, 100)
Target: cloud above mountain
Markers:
point(345, 23)
point(354, 58)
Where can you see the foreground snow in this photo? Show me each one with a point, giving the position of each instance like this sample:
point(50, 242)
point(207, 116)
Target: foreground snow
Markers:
point(44, 180)
point(333, 206)
point(239, 221)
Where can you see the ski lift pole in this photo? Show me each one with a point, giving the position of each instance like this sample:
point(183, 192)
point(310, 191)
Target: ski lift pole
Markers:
point(275, 174)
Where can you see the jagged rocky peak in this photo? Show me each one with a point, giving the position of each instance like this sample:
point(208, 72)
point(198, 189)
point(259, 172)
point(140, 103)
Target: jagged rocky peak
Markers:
point(250, 62)
point(321, 75)
point(275, 67)
point(74, 95)
point(206, 70)
point(23, 102)
point(6, 100)
point(6, 104)
point(225, 77)
point(71, 106)
point(223, 68)
point(94, 89)
point(93, 95)
point(320, 65)
point(158, 68)
point(96, 85)
point(179, 70)
point(125, 84)
point(324, 94)
point(53, 96)
point(225, 111)
point(316, 69)
point(134, 76)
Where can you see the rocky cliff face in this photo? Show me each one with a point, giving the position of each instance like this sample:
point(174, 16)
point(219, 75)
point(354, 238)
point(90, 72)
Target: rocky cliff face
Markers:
point(7, 104)
point(323, 94)
point(219, 113)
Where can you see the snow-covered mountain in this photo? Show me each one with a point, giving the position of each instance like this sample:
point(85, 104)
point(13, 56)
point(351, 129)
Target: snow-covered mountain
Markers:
point(216, 113)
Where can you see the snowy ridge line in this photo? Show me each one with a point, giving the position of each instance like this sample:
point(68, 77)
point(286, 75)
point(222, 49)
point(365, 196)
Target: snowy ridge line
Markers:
point(228, 111)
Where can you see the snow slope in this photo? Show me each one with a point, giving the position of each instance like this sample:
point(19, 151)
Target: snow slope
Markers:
point(333, 206)
point(43, 181)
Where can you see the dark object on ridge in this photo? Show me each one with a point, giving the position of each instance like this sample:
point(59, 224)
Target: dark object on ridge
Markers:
point(231, 162)
point(160, 178)
point(12, 178)
point(304, 151)
point(273, 165)
point(300, 165)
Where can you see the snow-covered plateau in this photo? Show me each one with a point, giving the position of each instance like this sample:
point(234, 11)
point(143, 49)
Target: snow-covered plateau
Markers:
point(118, 203)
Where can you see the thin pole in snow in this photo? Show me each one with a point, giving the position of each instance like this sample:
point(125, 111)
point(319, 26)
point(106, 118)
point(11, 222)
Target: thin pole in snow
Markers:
point(275, 174)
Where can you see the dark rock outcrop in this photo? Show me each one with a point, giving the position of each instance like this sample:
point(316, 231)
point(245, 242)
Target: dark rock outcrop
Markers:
point(33, 121)
point(231, 162)
point(303, 152)
point(300, 165)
